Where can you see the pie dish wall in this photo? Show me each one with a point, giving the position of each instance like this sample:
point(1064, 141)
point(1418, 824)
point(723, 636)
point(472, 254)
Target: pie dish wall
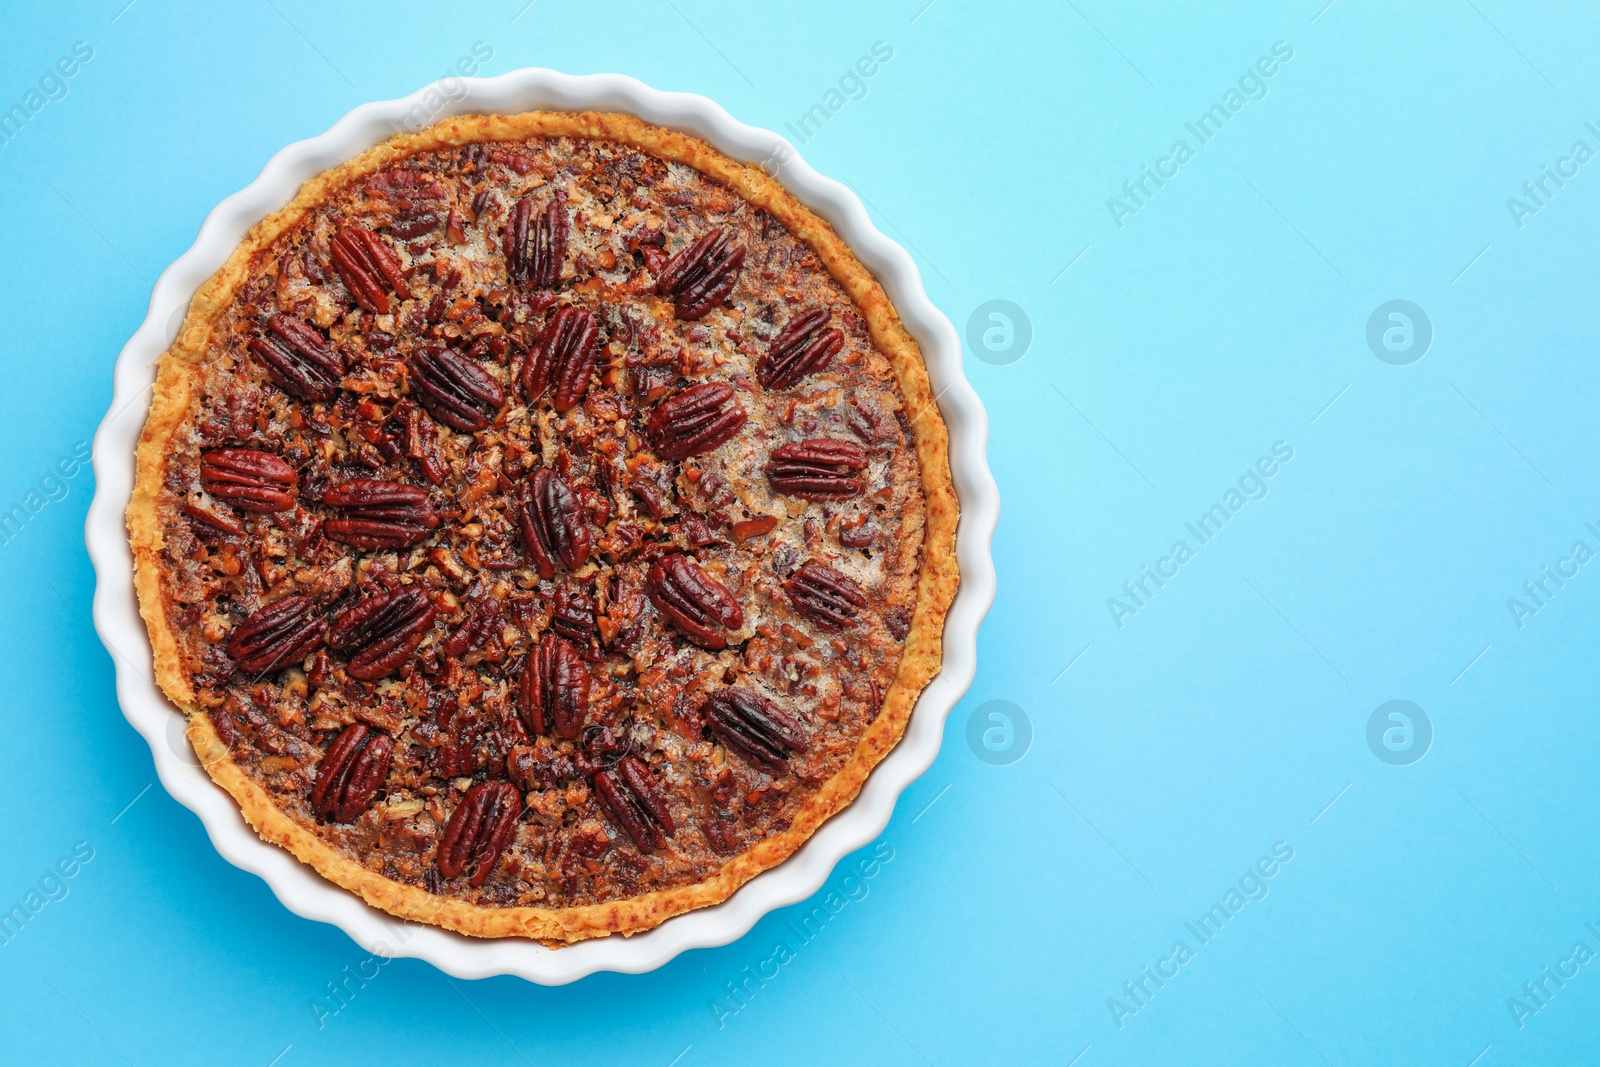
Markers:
point(117, 621)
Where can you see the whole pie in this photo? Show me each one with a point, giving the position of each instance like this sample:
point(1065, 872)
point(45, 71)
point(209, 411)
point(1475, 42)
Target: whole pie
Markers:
point(545, 523)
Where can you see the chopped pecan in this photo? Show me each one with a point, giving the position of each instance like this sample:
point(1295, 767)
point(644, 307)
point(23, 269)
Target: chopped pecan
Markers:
point(695, 421)
point(638, 802)
point(279, 635)
point(456, 390)
point(421, 440)
point(899, 623)
point(211, 521)
point(475, 631)
point(382, 631)
point(721, 834)
point(622, 540)
point(248, 479)
point(801, 348)
point(564, 358)
point(858, 536)
point(754, 727)
point(825, 596)
point(413, 222)
point(702, 275)
point(475, 159)
point(522, 767)
point(701, 607)
point(479, 830)
point(458, 755)
point(553, 693)
point(378, 514)
point(351, 773)
point(572, 616)
point(536, 249)
point(297, 358)
point(749, 528)
point(368, 268)
point(811, 470)
point(650, 496)
point(552, 524)
point(404, 185)
point(650, 381)
point(696, 532)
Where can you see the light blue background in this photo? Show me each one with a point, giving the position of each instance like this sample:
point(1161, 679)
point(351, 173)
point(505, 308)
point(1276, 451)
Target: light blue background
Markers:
point(1229, 713)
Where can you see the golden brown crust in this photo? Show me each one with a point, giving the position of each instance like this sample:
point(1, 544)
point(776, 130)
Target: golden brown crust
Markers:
point(175, 390)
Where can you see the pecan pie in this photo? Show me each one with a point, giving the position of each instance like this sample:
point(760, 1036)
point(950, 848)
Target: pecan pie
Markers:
point(545, 524)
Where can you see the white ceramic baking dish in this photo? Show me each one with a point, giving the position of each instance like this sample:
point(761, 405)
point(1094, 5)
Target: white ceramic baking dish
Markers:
point(116, 614)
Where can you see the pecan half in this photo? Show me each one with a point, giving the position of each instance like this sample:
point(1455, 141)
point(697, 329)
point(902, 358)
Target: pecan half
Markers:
point(695, 421)
point(536, 249)
point(564, 358)
point(351, 773)
point(551, 521)
point(825, 596)
point(479, 830)
point(638, 802)
point(702, 275)
point(553, 693)
point(368, 268)
point(378, 514)
point(754, 727)
point(282, 633)
point(456, 390)
point(811, 470)
point(382, 631)
point(248, 479)
point(297, 358)
point(700, 606)
point(802, 347)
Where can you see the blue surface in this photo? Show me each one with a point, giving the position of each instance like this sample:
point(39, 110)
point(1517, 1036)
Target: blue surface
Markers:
point(1226, 717)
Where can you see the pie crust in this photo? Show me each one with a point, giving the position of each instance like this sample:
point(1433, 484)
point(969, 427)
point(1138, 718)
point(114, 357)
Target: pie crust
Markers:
point(180, 385)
